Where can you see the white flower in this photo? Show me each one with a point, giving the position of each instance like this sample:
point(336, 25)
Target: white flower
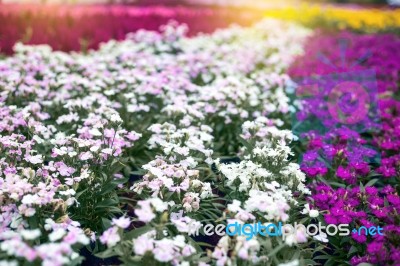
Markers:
point(95, 148)
point(36, 159)
point(145, 212)
point(30, 199)
point(121, 222)
point(314, 213)
point(37, 139)
point(291, 263)
point(110, 237)
point(116, 118)
point(69, 192)
point(95, 132)
point(186, 225)
point(158, 204)
point(322, 237)
point(57, 234)
point(311, 213)
point(164, 250)
point(8, 263)
point(143, 243)
point(30, 234)
point(107, 151)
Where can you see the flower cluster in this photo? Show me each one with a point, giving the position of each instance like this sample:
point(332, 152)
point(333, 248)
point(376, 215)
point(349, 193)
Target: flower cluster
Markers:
point(171, 250)
point(265, 187)
point(364, 206)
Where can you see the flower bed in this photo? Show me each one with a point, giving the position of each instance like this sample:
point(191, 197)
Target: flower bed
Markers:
point(124, 153)
point(355, 172)
point(76, 127)
point(73, 28)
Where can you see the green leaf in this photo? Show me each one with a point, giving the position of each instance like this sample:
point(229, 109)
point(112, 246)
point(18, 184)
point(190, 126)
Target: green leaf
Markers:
point(371, 182)
point(126, 199)
point(386, 202)
point(322, 257)
point(106, 203)
point(195, 244)
point(344, 240)
point(76, 261)
point(331, 262)
point(204, 244)
point(108, 188)
point(106, 223)
point(336, 184)
point(245, 144)
point(309, 262)
point(138, 172)
point(138, 232)
point(362, 188)
point(276, 250)
point(352, 251)
point(106, 254)
point(80, 193)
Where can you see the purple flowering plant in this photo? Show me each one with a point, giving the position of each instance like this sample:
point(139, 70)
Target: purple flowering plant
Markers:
point(346, 123)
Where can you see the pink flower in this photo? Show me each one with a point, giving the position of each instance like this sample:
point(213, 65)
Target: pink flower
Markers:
point(84, 156)
point(110, 237)
point(145, 213)
point(143, 244)
point(64, 170)
point(164, 250)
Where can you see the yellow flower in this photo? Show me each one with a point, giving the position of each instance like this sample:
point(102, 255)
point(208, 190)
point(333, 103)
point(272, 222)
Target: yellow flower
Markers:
point(366, 20)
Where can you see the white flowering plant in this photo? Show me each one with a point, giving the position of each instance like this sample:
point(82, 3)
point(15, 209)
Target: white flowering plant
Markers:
point(121, 150)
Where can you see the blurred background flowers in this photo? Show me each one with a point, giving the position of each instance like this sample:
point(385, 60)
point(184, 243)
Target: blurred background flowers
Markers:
point(83, 24)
